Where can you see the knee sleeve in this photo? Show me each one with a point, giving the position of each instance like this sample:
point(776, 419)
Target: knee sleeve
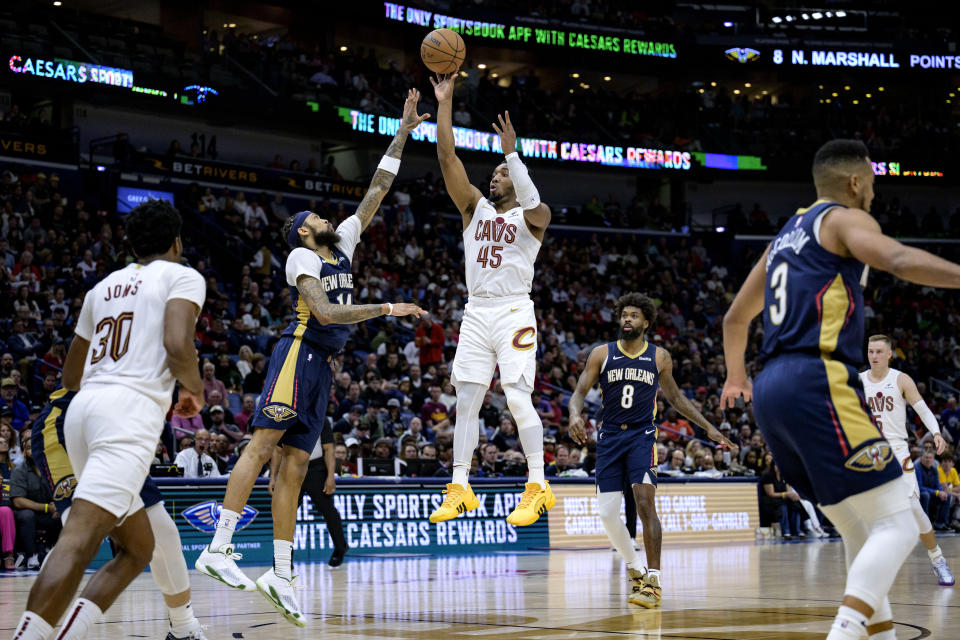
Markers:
point(872, 572)
point(529, 427)
point(466, 433)
point(921, 517)
point(168, 567)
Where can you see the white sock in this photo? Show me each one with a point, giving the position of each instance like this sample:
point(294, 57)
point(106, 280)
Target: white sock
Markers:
point(461, 475)
point(182, 619)
point(889, 634)
point(32, 627)
point(637, 564)
point(654, 573)
point(529, 429)
point(225, 526)
point(466, 431)
point(283, 559)
point(79, 620)
point(935, 554)
point(849, 624)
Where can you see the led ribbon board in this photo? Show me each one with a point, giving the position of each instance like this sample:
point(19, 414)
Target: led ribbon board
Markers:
point(558, 150)
point(865, 59)
point(897, 170)
point(536, 36)
point(72, 71)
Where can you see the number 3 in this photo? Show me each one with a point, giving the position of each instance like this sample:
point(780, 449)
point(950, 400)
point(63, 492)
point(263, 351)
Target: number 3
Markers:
point(778, 282)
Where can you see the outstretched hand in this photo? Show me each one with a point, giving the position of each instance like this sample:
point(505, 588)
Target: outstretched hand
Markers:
point(734, 389)
point(410, 119)
point(443, 86)
point(508, 137)
point(407, 309)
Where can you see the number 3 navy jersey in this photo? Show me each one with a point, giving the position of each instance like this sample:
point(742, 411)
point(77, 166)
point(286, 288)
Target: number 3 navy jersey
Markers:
point(628, 385)
point(813, 299)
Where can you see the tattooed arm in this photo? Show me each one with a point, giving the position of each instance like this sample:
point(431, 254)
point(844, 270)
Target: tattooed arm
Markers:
point(681, 403)
point(382, 179)
point(327, 312)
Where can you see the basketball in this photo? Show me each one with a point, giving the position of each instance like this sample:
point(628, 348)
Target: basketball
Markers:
point(443, 51)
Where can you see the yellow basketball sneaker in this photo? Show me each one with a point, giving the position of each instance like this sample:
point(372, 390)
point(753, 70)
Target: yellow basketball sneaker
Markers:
point(534, 502)
point(459, 500)
point(650, 592)
point(636, 582)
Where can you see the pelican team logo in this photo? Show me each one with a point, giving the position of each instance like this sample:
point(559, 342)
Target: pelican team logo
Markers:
point(742, 55)
point(871, 457)
point(279, 412)
point(523, 334)
point(203, 516)
point(64, 488)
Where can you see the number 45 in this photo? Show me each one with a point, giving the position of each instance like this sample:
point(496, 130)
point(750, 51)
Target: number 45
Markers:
point(490, 256)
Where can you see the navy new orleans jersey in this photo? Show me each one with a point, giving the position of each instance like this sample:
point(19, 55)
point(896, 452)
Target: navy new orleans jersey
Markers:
point(336, 278)
point(813, 301)
point(808, 399)
point(628, 385)
point(627, 442)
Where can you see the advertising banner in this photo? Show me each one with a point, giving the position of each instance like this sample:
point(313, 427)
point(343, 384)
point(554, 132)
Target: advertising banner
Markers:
point(699, 512)
point(378, 519)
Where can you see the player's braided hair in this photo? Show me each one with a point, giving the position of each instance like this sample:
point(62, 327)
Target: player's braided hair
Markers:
point(152, 227)
point(638, 300)
point(285, 231)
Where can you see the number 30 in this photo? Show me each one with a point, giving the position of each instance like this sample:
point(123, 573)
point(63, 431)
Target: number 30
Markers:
point(778, 282)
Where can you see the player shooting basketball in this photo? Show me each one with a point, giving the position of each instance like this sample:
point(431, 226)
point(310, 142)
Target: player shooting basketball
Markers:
point(502, 234)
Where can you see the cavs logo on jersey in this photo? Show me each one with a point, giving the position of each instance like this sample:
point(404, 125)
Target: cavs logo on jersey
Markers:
point(64, 488)
point(279, 412)
point(872, 457)
point(204, 515)
point(521, 336)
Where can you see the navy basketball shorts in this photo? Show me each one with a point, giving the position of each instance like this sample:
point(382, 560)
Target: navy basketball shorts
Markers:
point(814, 417)
point(50, 455)
point(295, 394)
point(629, 454)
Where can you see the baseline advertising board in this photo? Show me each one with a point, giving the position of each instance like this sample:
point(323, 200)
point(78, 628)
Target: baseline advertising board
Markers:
point(697, 512)
point(377, 519)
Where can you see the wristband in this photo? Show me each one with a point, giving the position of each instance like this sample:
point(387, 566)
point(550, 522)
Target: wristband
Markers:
point(389, 308)
point(46, 507)
point(389, 164)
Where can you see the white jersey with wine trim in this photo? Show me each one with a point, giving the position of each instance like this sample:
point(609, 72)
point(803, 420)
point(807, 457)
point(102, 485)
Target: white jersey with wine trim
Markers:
point(499, 250)
point(887, 403)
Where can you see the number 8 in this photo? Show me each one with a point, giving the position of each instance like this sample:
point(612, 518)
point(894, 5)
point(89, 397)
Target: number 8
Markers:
point(626, 398)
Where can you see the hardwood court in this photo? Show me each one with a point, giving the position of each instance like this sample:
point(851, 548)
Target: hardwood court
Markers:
point(735, 592)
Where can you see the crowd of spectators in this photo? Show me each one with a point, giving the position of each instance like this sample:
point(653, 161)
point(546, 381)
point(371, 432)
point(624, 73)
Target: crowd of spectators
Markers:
point(392, 402)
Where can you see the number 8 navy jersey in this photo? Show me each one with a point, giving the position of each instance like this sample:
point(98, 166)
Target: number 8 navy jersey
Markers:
point(628, 385)
point(813, 299)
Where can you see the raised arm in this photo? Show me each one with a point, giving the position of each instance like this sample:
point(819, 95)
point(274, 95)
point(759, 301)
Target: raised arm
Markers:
point(464, 195)
point(681, 403)
point(852, 232)
point(536, 213)
point(736, 324)
point(589, 377)
point(327, 312)
point(387, 170)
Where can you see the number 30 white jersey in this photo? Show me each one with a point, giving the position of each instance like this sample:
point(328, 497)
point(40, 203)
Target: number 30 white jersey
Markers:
point(499, 250)
point(122, 318)
point(887, 403)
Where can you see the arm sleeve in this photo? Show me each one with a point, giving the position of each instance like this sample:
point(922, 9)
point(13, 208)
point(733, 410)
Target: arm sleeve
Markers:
point(84, 327)
point(300, 262)
point(188, 284)
point(927, 417)
point(349, 231)
point(527, 194)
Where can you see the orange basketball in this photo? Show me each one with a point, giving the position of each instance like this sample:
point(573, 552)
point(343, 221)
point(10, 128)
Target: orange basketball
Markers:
point(443, 51)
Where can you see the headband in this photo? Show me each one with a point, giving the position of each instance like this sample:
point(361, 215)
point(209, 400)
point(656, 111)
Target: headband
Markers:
point(292, 238)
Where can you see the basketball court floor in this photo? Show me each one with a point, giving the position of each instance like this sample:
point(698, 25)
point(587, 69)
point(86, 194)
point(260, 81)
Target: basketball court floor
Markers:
point(759, 591)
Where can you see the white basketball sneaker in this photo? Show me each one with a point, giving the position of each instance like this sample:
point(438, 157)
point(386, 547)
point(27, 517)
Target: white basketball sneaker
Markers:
point(222, 565)
point(281, 594)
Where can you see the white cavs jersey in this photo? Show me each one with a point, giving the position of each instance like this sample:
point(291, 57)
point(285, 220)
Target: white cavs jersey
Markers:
point(887, 403)
point(122, 318)
point(499, 250)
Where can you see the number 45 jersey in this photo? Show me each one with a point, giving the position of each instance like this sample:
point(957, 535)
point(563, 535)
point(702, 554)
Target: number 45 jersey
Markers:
point(499, 250)
point(813, 299)
point(122, 318)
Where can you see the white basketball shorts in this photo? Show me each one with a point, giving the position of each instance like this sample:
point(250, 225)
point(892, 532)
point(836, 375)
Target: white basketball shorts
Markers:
point(497, 331)
point(901, 450)
point(111, 432)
